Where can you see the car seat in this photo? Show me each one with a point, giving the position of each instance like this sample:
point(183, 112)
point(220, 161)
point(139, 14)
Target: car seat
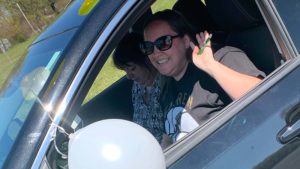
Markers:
point(247, 31)
point(196, 13)
point(139, 24)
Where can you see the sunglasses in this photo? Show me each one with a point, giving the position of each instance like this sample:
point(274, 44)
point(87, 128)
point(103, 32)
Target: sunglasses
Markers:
point(162, 43)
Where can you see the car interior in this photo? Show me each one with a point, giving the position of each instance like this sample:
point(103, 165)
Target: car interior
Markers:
point(240, 24)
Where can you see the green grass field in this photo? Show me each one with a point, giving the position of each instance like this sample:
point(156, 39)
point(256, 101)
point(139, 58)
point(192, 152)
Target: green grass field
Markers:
point(11, 57)
point(108, 75)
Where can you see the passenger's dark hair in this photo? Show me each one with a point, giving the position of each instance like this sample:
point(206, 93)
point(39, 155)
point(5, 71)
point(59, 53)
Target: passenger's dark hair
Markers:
point(128, 51)
point(176, 21)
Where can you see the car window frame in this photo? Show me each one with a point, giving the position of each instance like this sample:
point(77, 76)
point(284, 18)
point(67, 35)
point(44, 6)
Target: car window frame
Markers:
point(130, 12)
point(71, 96)
point(287, 25)
point(277, 28)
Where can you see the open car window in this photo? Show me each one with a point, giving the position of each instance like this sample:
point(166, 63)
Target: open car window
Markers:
point(106, 77)
point(110, 94)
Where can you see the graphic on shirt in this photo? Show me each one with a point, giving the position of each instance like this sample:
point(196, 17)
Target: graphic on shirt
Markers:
point(173, 122)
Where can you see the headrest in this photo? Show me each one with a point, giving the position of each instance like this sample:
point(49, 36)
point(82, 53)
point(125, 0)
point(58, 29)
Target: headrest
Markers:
point(234, 14)
point(196, 14)
point(138, 26)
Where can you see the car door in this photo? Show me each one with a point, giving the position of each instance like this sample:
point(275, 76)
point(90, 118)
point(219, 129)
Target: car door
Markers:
point(87, 54)
point(262, 134)
point(260, 130)
point(228, 132)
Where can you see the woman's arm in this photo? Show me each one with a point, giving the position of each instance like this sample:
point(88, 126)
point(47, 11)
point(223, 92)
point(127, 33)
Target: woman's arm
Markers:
point(235, 84)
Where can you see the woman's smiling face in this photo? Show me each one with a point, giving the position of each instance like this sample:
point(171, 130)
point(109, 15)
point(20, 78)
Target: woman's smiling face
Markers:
point(171, 62)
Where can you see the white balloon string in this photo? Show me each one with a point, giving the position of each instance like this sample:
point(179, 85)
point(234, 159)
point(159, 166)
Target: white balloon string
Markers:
point(53, 137)
point(57, 127)
point(63, 155)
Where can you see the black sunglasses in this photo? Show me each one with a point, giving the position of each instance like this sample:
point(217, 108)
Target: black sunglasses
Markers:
point(162, 43)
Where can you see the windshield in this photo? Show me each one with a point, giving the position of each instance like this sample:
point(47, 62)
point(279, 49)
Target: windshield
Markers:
point(24, 84)
point(34, 73)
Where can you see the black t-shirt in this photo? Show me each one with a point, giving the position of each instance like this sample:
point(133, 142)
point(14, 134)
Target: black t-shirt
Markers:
point(199, 95)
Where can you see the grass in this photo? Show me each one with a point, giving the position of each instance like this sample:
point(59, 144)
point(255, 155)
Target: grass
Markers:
point(108, 75)
point(162, 4)
point(9, 59)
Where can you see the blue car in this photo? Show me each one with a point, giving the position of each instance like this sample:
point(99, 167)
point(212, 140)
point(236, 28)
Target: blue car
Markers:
point(48, 87)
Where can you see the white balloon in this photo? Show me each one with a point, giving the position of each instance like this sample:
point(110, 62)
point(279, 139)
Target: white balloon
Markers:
point(114, 144)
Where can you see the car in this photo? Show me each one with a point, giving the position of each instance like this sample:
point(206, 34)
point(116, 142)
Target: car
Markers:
point(44, 97)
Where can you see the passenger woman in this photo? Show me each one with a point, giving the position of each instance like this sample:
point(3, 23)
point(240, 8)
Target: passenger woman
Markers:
point(200, 82)
point(145, 90)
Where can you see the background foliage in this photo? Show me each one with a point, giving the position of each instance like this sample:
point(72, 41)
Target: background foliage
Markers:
point(20, 19)
point(41, 13)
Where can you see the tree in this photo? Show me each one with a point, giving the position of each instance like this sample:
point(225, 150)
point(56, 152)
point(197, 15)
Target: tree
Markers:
point(38, 14)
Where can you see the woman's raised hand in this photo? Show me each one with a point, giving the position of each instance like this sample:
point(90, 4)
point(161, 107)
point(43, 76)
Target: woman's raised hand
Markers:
point(203, 55)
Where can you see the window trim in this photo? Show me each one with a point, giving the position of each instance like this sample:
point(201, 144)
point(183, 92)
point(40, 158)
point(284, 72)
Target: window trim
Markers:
point(277, 29)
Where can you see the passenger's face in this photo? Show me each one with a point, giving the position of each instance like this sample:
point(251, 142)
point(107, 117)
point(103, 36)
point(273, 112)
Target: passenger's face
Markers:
point(171, 62)
point(140, 74)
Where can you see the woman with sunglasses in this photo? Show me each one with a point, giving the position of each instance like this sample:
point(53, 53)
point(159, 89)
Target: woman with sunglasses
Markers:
point(145, 89)
point(201, 82)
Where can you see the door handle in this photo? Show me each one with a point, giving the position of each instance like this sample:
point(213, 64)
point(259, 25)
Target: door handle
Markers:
point(289, 132)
